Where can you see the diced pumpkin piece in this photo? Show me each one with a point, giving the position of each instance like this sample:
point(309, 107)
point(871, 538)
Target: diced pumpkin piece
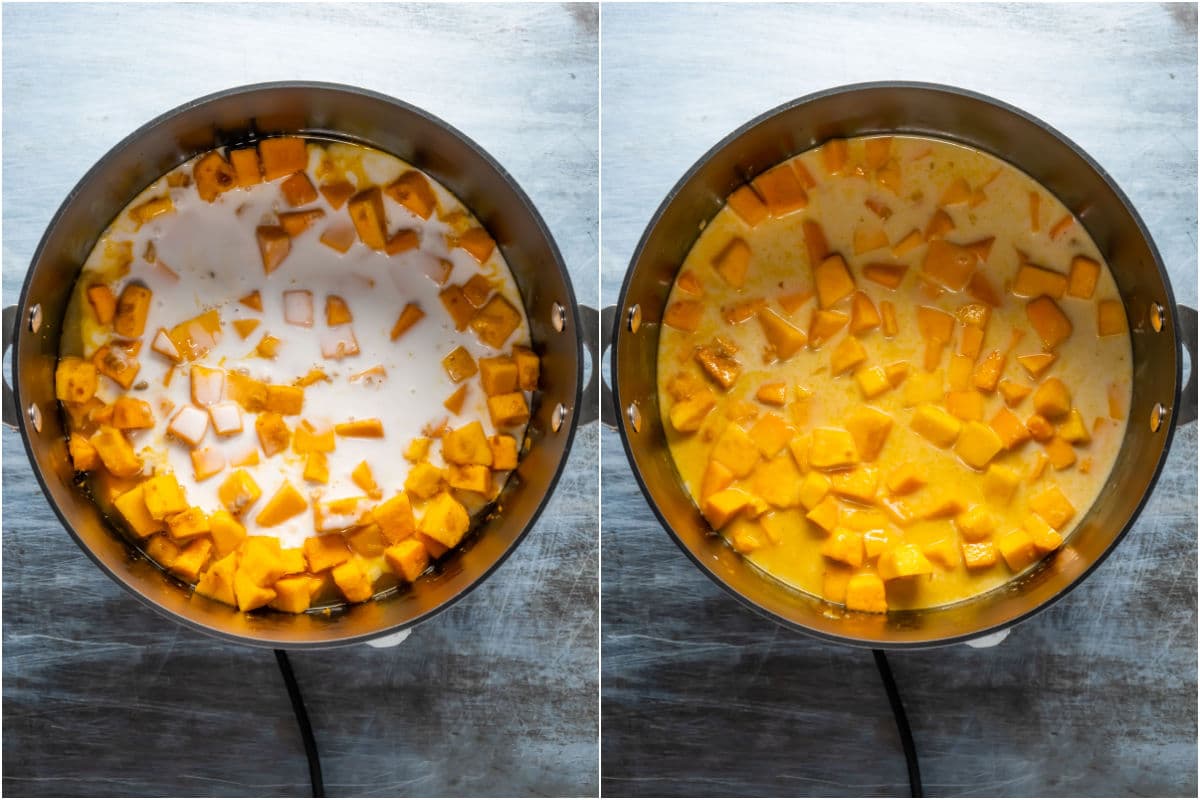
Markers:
point(115, 452)
point(133, 306)
point(966, 405)
point(684, 315)
point(1009, 428)
point(508, 410)
point(498, 375)
point(244, 328)
point(1052, 325)
point(833, 281)
point(1037, 363)
point(976, 523)
point(959, 373)
point(293, 595)
point(213, 176)
point(1060, 452)
point(834, 154)
point(238, 492)
point(352, 580)
point(246, 168)
point(325, 552)
point(857, 484)
point(75, 380)
point(949, 265)
point(408, 559)
point(206, 462)
point(940, 223)
point(979, 555)
point(1052, 399)
point(687, 415)
point(227, 533)
point(877, 541)
point(338, 237)
point(470, 478)
point(131, 505)
point(1058, 228)
point(83, 456)
point(1045, 538)
point(1034, 281)
point(937, 425)
point(467, 445)
point(365, 480)
point(273, 246)
point(394, 517)
point(832, 449)
point(746, 204)
point(282, 155)
point(889, 275)
point(887, 311)
point(848, 354)
point(1053, 506)
point(978, 444)
point(316, 467)
point(896, 373)
point(504, 452)
point(869, 237)
point(283, 505)
point(413, 191)
point(824, 325)
point(869, 428)
point(813, 489)
point(192, 558)
point(459, 364)
point(1017, 549)
point(845, 546)
point(1110, 318)
point(188, 524)
point(903, 561)
point(217, 580)
point(863, 314)
point(911, 241)
point(825, 514)
point(1085, 273)
point(878, 151)
point(193, 338)
point(935, 324)
point(273, 433)
point(942, 551)
point(103, 303)
point(1013, 392)
point(733, 262)
point(770, 434)
point(1073, 429)
point(445, 520)
point(495, 322)
point(409, 316)
point(370, 221)
point(988, 371)
point(940, 503)
point(815, 243)
point(906, 479)
point(528, 368)
point(163, 550)
point(873, 381)
point(923, 388)
point(736, 450)
point(367, 428)
point(773, 394)
point(1039, 428)
point(1000, 483)
point(298, 190)
point(781, 190)
point(784, 338)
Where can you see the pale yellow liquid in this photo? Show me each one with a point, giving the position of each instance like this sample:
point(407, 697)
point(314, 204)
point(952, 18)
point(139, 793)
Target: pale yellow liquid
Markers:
point(1093, 367)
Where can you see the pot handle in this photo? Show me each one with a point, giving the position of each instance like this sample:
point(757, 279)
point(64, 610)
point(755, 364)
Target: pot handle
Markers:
point(1187, 398)
point(9, 322)
point(589, 410)
point(608, 404)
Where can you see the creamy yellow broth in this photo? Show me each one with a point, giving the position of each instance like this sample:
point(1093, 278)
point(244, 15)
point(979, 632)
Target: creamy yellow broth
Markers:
point(963, 520)
point(292, 372)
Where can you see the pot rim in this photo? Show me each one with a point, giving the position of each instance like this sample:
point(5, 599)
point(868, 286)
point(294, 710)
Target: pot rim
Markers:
point(676, 190)
point(147, 129)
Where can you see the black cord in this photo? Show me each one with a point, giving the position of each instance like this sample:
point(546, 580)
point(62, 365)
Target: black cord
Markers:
point(306, 731)
point(906, 737)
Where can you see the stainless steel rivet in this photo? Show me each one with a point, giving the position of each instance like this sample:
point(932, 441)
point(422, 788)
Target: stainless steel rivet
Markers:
point(558, 317)
point(1157, 315)
point(635, 417)
point(35, 317)
point(635, 318)
point(1157, 415)
point(35, 417)
point(558, 416)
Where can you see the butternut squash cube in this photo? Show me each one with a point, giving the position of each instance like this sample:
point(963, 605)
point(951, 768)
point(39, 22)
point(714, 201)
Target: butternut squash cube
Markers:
point(888, 275)
point(832, 449)
point(746, 204)
point(293, 595)
point(845, 546)
point(192, 558)
point(217, 580)
point(824, 325)
point(1000, 484)
point(417, 450)
point(495, 322)
point(273, 433)
point(903, 561)
point(459, 364)
point(363, 479)
point(1074, 429)
point(940, 223)
point(863, 314)
point(1083, 278)
point(976, 523)
point(878, 541)
point(131, 505)
point(402, 241)
point(283, 505)
point(781, 190)
point(1053, 506)
point(1052, 399)
point(227, 532)
point(409, 316)
point(979, 555)
point(1010, 429)
point(966, 405)
point(857, 484)
point(528, 368)
point(504, 452)
point(1037, 363)
point(413, 191)
point(721, 507)
point(352, 580)
point(273, 246)
point(833, 155)
point(869, 428)
point(848, 354)
point(508, 410)
point(770, 434)
point(1017, 549)
point(978, 444)
point(825, 514)
point(188, 524)
point(813, 489)
point(716, 477)
point(75, 380)
point(924, 387)
point(246, 169)
point(163, 496)
point(887, 312)
point(467, 445)
point(785, 339)
point(213, 176)
point(736, 450)
point(1045, 538)
point(249, 594)
point(815, 243)
point(935, 424)
point(905, 479)
point(833, 281)
point(103, 303)
point(371, 428)
point(133, 306)
point(498, 375)
point(470, 478)
point(298, 190)
point(1013, 392)
point(238, 492)
point(872, 381)
point(338, 237)
point(193, 338)
point(282, 155)
point(325, 552)
point(869, 237)
point(445, 520)
point(115, 452)
point(733, 262)
point(424, 481)
point(394, 517)
point(83, 456)
point(1052, 325)
point(971, 342)
point(935, 324)
point(408, 559)
point(162, 550)
point(942, 551)
point(948, 265)
point(772, 394)
point(687, 415)
point(316, 467)
point(1110, 318)
point(988, 371)
point(1034, 281)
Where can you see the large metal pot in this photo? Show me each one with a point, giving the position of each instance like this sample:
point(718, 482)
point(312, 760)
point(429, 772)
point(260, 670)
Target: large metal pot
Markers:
point(1157, 330)
point(328, 111)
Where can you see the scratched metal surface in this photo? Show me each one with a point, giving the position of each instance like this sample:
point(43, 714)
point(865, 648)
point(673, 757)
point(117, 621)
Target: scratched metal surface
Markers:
point(1096, 696)
point(495, 697)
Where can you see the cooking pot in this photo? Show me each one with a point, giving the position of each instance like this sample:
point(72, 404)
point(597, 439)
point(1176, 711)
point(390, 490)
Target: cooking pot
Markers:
point(1157, 329)
point(332, 112)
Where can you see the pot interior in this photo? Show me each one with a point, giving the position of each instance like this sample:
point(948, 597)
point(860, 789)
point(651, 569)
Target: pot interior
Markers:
point(958, 116)
point(326, 111)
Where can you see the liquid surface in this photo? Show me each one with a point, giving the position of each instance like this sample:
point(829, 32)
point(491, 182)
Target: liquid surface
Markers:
point(328, 321)
point(930, 290)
